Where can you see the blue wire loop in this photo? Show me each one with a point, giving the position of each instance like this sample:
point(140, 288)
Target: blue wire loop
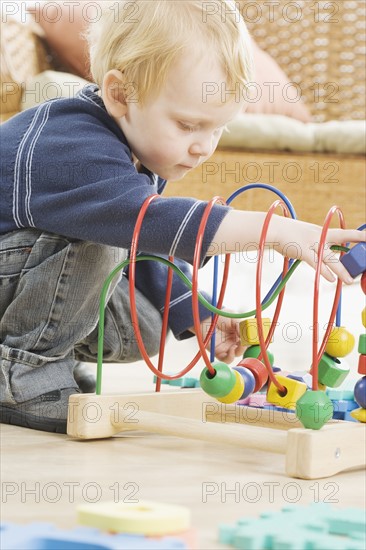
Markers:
point(233, 196)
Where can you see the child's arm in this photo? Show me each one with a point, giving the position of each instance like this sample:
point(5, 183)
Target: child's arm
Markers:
point(292, 238)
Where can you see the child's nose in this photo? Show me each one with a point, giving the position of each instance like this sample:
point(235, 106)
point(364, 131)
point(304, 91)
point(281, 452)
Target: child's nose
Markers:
point(201, 147)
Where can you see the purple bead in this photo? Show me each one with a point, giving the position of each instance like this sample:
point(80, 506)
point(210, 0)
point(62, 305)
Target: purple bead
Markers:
point(355, 260)
point(360, 392)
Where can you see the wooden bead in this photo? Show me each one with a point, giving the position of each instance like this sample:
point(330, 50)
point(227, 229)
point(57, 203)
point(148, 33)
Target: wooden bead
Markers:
point(314, 409)
point(359, 414)
point(302, 376)
point(360, 392)
point(355, 259)
point(363, 282)
point(236, 392)
point(248, 379)
point(362, 344)
point(362, 364)
point(294, 390)
point(249, 331)
point(363, 317)
point(331, 371)
point(254, 351)
point(221, 383)
point(340, 342)
point(258, 369)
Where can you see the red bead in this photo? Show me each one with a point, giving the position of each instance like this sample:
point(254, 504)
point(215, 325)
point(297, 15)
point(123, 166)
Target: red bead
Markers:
point(258, 369)
point(363, 282)
point(362, 364)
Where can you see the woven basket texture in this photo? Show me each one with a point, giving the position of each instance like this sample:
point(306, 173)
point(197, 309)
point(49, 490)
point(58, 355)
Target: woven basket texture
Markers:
point(320, 46)
point(22, 55)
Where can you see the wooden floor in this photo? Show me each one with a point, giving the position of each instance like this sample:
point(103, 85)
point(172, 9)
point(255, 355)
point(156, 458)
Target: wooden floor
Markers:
point(44, 477)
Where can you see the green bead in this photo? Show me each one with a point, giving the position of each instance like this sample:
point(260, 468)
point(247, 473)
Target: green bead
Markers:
point(254, 351)
point(314, 409)
point(331, 372)
point(221, 383)
point(362, 344)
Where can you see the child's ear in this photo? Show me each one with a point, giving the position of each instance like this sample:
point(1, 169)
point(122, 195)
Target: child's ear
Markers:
point(113, 93)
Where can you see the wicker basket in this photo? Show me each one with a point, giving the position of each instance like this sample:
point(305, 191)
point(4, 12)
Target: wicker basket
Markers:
point(312, 182)
point(320, 46)
point(23, 54)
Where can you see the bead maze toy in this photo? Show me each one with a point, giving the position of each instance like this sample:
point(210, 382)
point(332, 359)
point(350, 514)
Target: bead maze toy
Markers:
point(314, 445)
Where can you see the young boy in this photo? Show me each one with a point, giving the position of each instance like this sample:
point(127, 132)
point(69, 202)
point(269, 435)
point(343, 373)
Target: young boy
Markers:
point(74, 175)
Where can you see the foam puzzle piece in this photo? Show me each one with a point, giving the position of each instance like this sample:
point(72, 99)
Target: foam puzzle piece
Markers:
point(316, 526)
point(345, 392)
point(41, 536)
point(144, 517)
point(183, 382)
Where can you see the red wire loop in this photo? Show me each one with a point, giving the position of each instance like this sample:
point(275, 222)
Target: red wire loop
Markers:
point(134, 317)
point(262, 241)
point(196, 264)
point(316, 355)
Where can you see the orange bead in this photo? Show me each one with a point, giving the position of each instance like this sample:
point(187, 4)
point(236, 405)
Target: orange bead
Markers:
point(340, 342)
point(258, 369)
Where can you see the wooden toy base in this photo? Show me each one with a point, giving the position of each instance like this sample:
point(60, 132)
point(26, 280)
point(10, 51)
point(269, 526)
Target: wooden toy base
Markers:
point(310, 454)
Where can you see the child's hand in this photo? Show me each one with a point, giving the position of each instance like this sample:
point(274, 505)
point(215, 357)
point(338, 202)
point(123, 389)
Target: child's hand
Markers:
point(292, 238)
point(300, 240)
point(227, 344)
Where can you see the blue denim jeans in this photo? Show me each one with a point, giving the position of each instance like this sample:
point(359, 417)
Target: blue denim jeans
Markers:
point(49, 311)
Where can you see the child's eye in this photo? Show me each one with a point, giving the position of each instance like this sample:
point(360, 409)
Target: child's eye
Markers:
point(186, 127)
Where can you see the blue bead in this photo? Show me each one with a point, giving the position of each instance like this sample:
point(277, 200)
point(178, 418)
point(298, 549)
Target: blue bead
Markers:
point(249, 380)
point(355, 260)
point(360, 392)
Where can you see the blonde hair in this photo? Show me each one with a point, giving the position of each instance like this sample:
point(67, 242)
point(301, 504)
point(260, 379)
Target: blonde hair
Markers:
point(143, 39)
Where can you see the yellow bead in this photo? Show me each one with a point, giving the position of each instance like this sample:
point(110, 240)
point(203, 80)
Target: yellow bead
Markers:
point(249, 331)
point(359, 414)
point(236, 392)
point(340, 342)
point(294, 390)
point(363, 315)
point(322, 387)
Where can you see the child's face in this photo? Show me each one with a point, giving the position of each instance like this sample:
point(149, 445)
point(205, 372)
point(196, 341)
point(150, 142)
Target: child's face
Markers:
point(179, 129)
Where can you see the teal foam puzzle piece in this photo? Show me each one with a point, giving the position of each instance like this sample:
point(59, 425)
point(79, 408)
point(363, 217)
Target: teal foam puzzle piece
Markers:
point(183, 382)
point(318, 526)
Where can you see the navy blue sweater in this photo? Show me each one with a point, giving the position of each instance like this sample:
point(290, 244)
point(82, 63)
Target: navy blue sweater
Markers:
point(67, 168)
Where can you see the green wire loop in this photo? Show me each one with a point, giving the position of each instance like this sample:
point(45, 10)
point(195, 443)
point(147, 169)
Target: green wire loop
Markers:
point(188, 283)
